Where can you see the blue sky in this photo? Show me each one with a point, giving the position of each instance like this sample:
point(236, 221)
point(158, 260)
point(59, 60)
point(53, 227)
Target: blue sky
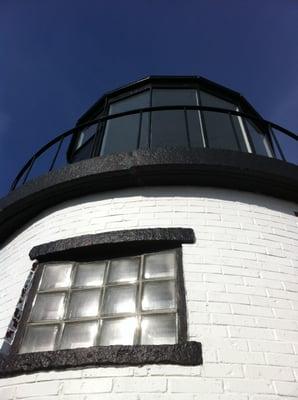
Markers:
point(58, 56)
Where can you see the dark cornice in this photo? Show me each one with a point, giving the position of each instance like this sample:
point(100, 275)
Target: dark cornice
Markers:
point(164, 166)
point(188, 353)
point(110, 243)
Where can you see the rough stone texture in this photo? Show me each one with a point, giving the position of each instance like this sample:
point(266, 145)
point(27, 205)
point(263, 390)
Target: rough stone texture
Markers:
point(241, 289)
point(189, 353)
point(165, 166)
point(111, 242)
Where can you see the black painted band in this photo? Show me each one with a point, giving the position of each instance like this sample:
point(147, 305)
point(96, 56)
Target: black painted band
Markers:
point(164, 166)
point(188, 353)
point(111, 243)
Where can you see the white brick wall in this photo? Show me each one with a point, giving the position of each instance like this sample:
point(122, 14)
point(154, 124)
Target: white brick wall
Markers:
point(241, 280)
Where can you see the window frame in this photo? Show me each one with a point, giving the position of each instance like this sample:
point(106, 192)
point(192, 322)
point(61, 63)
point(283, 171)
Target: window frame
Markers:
point(146, 241)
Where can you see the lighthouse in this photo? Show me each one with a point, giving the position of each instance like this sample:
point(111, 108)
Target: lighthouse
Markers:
point(150, 252)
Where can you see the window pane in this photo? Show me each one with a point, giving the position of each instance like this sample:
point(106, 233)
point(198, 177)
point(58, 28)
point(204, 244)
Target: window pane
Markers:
point(220, 130)
point(39, 338)
point(90, 274)
point(55, 276)
point(158, 295)
point(260, 141)
point(83, 303)
point(81, 334)
point(160, 265)
point(86, 134)
point(124, 270)
point(120, 299)
point(194, 129)
point(158, 329)
point(84, 152)
point(139, 100)
point(118, 331)
point(174, 97)
point(121, 134)
point(48, 306)
point(168, 128)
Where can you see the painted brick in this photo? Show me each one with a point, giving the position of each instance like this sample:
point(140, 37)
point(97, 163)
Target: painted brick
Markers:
point(140, 385)
point(268, 372)
point(249, 386)
point(35, 389)
point(99, 385)
point(287, 389)
point(194, 385)
point(244, 261)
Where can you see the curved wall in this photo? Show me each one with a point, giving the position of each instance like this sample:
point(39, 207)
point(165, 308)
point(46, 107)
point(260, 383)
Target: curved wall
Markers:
point(241, 280)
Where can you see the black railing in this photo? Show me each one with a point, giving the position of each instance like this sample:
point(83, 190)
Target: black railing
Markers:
point(56, 152)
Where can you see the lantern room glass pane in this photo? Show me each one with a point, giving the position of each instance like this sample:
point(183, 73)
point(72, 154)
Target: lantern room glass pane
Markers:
point(86, 134)
point(120, 299)
point(222, 131)
point(158, 329)
point(174, 97)
point(259, 139)
point(56, 276)
point(124, 270)
point(121, 134)
point(158, 295)
point(118, 331)
point(79, 334)
point(90, 274)
point(170, 128)
point(39, 338)
point(83, 303)
point(48, 306)
point(160, 265)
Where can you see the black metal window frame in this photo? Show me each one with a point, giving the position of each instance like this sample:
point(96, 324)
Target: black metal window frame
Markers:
point(198, 87)
point(99, 247)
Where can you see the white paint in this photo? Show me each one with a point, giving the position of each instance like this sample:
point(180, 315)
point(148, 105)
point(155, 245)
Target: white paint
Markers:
point(241, 278)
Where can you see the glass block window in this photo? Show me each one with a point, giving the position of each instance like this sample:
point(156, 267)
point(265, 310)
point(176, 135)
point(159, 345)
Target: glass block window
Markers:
point(123, 301)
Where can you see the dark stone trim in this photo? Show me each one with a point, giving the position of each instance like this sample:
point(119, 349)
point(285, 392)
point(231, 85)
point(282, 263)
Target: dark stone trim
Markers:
point(112, 243)
point(164, 166)
point(188, 353)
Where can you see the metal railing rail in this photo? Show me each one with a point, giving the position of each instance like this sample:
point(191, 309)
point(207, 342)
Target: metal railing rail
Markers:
point(26, 169)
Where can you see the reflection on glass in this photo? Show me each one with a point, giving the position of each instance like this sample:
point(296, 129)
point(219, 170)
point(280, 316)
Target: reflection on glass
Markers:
point(120, 299)
point(223, 131)
point(83, 303)
point(90, 274)
point(86, 134)
point(118, 331)
point(48, 306)
point(259, 139)
point(121, 134)
point(158, 295)
point(160, 265)
point(169, 128)
point(55, 276)
point(81, 334)
point(39, 338)
point(174, 97)
point(124, 270)
point(158, 329)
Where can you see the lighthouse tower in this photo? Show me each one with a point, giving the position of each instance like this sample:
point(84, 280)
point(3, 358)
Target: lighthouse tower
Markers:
point(151, 253)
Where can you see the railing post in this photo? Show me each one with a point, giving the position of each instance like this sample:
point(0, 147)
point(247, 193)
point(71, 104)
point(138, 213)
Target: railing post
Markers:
point(29, 169)
point(56, 154)
point(187, 127)
point(140, 129)
point(276, 142)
